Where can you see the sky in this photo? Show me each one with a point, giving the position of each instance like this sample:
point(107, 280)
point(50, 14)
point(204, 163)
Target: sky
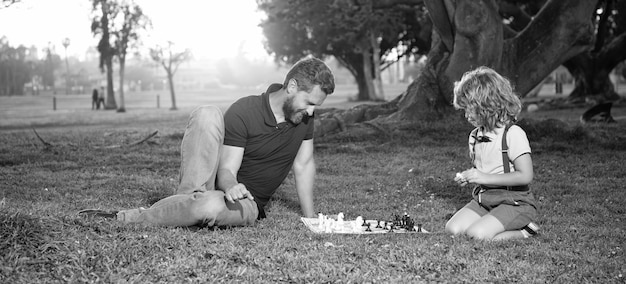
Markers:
point(210, 28)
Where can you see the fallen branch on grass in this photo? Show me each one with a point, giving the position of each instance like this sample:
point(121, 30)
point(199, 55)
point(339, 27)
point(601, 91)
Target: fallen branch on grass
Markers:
point(131, 144)
point(41, 139)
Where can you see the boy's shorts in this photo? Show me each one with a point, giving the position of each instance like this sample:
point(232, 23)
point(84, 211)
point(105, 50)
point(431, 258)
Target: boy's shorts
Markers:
point(512, 217)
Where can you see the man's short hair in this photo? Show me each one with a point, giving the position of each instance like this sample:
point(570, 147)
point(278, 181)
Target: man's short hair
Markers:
point(309, 72)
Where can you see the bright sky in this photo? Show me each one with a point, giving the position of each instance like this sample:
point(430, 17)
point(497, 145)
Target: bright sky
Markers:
point(211, 28)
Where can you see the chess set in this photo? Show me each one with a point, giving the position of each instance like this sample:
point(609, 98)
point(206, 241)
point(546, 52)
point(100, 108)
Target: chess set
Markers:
point(336, 224)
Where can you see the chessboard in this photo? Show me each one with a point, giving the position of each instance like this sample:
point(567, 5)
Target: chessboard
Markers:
point(337, 225)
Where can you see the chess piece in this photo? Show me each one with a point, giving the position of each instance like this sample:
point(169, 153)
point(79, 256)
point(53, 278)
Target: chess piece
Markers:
point(357, 223)
point(378, 224)
point(368, 229)
point(339, 224)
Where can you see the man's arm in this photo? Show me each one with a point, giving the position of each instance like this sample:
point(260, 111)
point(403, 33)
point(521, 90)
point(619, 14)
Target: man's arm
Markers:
point(230, 161)
point(304, 173)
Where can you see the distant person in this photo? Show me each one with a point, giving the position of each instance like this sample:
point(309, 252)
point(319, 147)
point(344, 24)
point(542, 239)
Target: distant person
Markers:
point(232, 163)
point(94, 99)
point(101, 98)
point(503, 206)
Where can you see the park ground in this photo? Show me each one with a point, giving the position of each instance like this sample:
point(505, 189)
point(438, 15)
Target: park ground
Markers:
point(85, 158)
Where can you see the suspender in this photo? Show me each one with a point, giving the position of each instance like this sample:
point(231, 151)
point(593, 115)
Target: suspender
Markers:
point(505, 150)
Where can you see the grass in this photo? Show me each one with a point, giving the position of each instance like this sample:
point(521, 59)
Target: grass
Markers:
point(579, 182)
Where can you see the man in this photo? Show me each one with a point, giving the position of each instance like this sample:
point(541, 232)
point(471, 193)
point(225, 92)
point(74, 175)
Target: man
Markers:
point(232, 164)
point(94, 99)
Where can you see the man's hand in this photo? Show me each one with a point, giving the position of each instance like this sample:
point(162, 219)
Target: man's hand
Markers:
point(236, 192)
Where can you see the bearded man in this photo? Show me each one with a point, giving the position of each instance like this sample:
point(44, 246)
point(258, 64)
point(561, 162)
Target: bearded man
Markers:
point(232, 164)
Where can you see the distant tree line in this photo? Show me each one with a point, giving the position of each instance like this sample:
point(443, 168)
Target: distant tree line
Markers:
point(19, 68)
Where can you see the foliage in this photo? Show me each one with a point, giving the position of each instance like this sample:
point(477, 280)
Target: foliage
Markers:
point(295, 29)
point(126, 36)
point(15, 68)
point(7, 3)
point(102, 25)
point(169, 58)
point(578, 184)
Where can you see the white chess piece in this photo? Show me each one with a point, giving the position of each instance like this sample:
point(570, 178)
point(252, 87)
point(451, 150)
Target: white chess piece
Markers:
point(320, 220)
point(340, 220)
point(356, 226)
point(329, 226)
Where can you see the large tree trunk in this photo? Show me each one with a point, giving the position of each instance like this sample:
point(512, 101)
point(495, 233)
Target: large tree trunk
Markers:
point(367, 74)
point(170, 79)
point(591, 71)
point(591, 80)
point(469, 33)
point(378, 80)
point(560, 30)
point(354, 64)
point(110, 103)
point(122, 107)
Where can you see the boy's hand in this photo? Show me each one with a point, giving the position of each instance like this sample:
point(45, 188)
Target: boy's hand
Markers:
point(474, 176)
point(460, 179)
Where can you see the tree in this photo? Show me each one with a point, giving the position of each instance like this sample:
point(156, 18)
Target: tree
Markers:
point(170, 60)
point(15, 71)
point(126, 36)
point(472, 33)
point(591, 68)
point(357, 33)
point(7, 3)
point(101, 24)
point(46, 68)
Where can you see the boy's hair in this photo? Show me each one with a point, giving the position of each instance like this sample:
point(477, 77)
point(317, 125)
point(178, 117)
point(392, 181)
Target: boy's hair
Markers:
point(488, 96)
point(310, 72)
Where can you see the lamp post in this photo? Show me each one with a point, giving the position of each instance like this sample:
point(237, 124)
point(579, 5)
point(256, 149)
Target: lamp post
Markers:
point(66, 43)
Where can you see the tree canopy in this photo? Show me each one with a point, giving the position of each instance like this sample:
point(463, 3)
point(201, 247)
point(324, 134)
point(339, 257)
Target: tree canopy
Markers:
point(525, 40)
point(117, 22)
point(357, 33)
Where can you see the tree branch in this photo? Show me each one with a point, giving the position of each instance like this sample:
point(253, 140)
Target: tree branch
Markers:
point(559, 31)
point(131, 144)
point(41, 139)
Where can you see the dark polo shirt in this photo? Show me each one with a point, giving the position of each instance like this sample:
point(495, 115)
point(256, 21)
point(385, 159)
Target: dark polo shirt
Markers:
point(269, 148)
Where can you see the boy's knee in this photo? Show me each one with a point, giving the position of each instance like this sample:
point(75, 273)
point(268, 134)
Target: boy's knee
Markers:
point(453, 228)
point(479, 233)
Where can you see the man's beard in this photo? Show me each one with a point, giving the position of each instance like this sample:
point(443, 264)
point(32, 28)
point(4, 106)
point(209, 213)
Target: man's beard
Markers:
point(293, 115)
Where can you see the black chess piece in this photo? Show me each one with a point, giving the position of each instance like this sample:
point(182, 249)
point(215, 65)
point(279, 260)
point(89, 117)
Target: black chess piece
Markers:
point(368, 228)
point(378, 224)
point(410, 225)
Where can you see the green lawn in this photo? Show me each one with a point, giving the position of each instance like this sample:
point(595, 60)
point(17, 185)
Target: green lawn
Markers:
point(579, 182)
